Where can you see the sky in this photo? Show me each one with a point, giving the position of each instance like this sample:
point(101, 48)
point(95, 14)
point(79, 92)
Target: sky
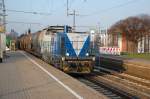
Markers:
point(90, 13)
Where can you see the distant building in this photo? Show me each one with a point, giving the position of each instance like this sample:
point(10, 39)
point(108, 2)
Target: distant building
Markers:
point(119, 39)
point(103, 38)
point(13, 34)
point(144, 44)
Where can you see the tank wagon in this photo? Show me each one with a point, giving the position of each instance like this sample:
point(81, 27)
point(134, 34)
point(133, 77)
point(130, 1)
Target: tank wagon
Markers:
point(66, 50)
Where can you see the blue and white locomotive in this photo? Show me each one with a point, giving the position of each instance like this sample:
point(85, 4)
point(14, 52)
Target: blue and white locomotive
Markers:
point(69, 51)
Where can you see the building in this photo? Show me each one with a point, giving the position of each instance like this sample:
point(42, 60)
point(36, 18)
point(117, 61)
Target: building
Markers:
point(120, 40)
point(103, 38)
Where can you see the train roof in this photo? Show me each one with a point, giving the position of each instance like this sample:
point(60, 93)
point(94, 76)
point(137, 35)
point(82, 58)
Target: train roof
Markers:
point(57, 27)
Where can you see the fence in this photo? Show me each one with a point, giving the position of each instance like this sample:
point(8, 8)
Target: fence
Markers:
point(110, 50)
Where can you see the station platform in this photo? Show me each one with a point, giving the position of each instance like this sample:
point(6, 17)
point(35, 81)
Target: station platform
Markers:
point(23, 76)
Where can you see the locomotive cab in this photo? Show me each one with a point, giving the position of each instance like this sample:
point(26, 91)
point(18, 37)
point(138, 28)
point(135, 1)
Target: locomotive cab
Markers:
point(78, 56)
point(74, 51)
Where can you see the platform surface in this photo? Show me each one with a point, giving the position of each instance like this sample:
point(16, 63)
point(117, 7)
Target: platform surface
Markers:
point(23, 76)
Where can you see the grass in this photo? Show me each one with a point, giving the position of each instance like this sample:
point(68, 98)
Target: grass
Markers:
point(141, 55)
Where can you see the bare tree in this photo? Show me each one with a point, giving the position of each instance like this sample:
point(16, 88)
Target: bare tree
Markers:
point(133, 28)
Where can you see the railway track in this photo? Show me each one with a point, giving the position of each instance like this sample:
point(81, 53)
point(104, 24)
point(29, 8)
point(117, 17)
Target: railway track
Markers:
point(138, 80)
point(117, 85)
point(133, 85)
point(106, 89)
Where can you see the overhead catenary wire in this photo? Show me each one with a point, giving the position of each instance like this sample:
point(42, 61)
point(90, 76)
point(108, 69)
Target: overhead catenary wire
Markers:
point(29, 12)
point(19, 22)
point(109, 9)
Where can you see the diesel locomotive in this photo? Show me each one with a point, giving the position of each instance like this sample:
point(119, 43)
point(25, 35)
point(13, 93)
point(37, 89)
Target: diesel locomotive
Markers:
point(72, 52)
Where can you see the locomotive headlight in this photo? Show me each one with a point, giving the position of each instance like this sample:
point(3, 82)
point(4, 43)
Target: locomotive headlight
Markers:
point(93, 58)
point(87, 54)
point(67, 54)
point(63, 58)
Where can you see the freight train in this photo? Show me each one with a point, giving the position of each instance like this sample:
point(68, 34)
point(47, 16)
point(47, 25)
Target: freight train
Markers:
point(72, 52)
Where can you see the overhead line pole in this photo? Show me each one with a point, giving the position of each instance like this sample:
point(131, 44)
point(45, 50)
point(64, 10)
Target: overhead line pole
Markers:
point(67, 7)
point(2, 17)
point(74, 19)
point(2, 30)
point(73, 14)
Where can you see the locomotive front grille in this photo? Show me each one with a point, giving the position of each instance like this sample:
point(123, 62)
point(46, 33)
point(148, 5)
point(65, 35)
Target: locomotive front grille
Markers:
point(76, 65)
point(79, 58)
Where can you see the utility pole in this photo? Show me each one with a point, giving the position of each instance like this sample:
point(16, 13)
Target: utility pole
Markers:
point(99, 34)
point(67, 7)
point(73, 14)
point(2, 30)
point(2, 17)
point(74, 19)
